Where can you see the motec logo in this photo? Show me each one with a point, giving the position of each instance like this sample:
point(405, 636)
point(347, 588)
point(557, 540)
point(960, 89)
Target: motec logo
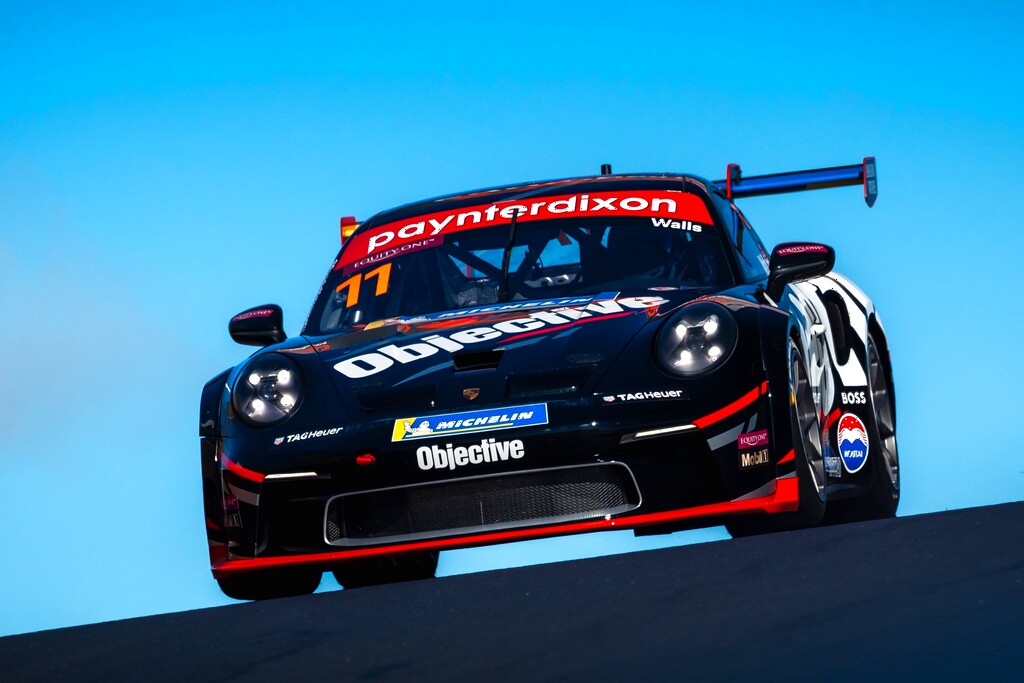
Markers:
point(681, 207)
point(438, 458)
point(367, 364)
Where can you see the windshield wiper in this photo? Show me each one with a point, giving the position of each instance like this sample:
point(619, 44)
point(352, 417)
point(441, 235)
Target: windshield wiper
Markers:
point(503, 293)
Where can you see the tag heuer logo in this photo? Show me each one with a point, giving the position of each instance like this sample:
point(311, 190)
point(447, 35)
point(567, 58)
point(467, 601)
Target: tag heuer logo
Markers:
point(470, 394)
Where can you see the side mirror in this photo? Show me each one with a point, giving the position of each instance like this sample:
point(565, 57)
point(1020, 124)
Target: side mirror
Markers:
point(260, 326)
point(796, 261)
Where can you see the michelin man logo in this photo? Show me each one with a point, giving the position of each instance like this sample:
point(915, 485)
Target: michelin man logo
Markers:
point(853, 442)
point(422, 429)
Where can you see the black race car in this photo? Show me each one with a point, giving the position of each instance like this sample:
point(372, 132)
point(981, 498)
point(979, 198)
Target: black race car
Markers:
point(605, 352)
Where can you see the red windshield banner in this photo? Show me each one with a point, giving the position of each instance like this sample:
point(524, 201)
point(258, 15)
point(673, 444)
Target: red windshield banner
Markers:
point(385, 241)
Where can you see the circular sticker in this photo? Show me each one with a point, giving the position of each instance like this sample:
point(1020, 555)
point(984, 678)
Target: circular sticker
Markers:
point(853, 442)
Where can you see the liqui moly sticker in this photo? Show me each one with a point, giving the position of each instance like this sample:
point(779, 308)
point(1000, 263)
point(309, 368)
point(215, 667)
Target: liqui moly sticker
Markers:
point(853, 442)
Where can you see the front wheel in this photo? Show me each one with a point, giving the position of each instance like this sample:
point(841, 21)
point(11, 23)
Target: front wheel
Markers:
point(378, 570)
point(810, 462)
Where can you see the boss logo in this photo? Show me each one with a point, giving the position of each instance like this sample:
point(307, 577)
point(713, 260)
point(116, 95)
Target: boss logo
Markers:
point(854, 398)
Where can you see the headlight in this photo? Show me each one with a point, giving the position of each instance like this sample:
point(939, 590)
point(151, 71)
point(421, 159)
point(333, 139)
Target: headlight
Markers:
point(267, 390)
point(697, 339)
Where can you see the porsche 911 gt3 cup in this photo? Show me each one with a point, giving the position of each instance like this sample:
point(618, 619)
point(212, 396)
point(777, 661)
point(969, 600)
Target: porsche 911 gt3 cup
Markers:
point(549, 358)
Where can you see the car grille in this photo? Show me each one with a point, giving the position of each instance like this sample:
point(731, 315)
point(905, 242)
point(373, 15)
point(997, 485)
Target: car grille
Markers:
point(480, 504)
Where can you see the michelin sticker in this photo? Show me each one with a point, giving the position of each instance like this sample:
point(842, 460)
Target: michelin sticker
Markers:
point(487, 420)
point(853, 442)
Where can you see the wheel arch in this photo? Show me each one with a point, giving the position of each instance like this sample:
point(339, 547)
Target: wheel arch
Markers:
point(777, 328)
point(878, 334)
point(213, 494)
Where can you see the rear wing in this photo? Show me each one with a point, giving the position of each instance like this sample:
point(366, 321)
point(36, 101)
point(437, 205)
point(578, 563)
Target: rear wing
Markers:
point(864, 173)
point(736, 186)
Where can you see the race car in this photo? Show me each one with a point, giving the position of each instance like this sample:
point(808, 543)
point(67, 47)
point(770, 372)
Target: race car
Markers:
point(616, 351)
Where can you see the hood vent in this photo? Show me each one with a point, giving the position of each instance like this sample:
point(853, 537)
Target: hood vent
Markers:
point(477, 360)
point(548, 382)
point(391, 398)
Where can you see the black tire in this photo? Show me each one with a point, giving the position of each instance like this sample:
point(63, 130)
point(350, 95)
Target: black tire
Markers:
point(392, 569)
point(810, 462)
point(277, 583)
point(882, 497)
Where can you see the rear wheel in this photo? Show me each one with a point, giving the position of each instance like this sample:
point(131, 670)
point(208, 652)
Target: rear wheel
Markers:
point(810, 463)
point(393, 569)
point(277, 583)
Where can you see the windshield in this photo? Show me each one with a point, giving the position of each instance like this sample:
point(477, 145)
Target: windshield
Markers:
point(563, 257)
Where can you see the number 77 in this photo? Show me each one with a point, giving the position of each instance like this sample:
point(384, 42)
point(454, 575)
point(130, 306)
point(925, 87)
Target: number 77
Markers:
point(383, 275)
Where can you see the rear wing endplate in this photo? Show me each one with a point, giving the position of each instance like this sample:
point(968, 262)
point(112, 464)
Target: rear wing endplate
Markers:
point(864, 173)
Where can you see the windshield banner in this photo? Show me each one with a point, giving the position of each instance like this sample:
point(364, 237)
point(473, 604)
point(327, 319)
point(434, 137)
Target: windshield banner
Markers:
point(677, 205)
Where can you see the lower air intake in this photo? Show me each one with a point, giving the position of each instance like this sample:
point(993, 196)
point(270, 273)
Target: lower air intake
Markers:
point(480, 504)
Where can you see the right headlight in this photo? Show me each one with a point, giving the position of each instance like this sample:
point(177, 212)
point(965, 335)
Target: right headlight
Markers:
point(267, 390)
point(697, 339)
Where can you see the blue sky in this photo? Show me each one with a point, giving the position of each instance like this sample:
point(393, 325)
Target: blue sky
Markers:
point(164, 169)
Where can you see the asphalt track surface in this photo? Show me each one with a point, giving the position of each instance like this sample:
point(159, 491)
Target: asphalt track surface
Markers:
point(933, 597)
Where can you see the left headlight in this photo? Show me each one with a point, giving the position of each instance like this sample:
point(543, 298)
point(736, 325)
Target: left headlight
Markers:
point(697, 339)
point(267, 390)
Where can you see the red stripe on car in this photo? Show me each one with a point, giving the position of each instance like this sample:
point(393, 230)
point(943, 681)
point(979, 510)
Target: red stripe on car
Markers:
point(785, 499)
point(734, 407)
point(243, 472)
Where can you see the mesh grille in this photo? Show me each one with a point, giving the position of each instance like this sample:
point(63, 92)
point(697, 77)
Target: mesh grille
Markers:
point(485, 503)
